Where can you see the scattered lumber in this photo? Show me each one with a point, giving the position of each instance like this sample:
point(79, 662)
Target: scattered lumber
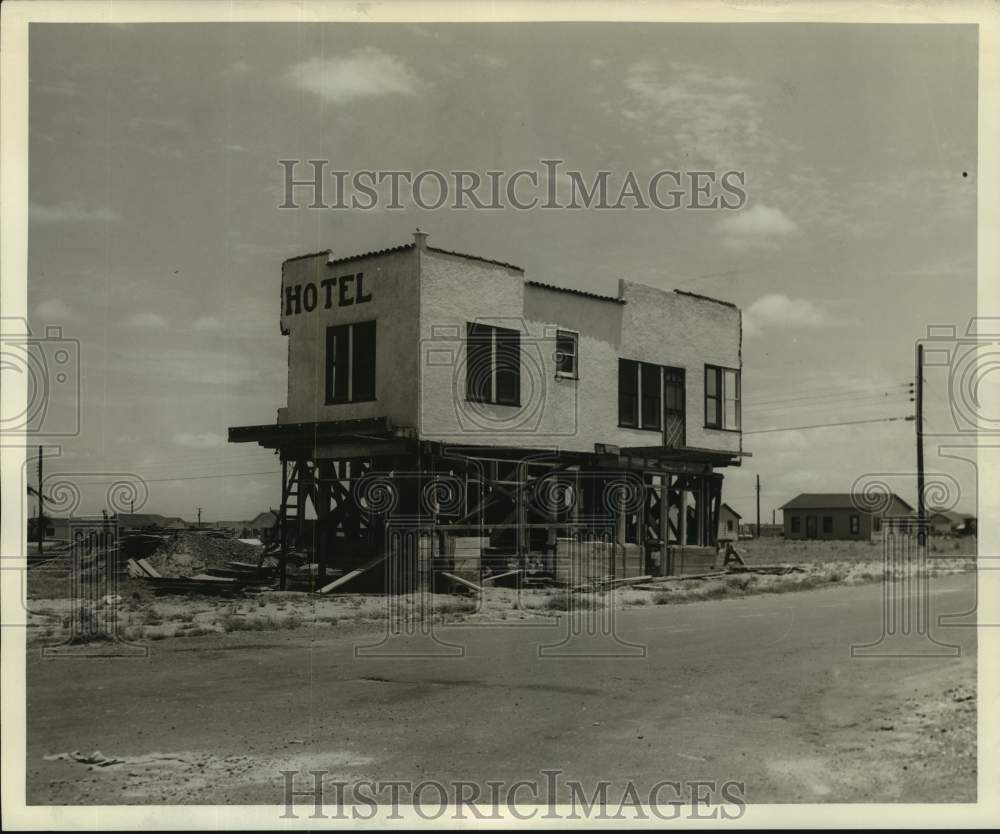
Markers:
point(200, 584)
point(606, 583)
point(769, 569)
point(471, 585)
point(354, 574)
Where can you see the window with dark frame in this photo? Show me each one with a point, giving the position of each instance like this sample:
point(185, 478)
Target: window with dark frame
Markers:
point(828, 524)
point(647, 391)
point(492, 364)
point(855, 524)
point(722, 398)
point(567, 348)
point(350, 363)
point(796, 524)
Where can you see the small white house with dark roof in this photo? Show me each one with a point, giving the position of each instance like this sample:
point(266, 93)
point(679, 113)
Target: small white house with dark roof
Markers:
point(837, 515)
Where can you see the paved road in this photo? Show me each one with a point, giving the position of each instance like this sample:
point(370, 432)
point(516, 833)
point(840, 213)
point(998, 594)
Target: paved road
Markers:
point(761, 690)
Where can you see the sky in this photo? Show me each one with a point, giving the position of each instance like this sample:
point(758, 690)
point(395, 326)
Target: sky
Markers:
point(155, 238)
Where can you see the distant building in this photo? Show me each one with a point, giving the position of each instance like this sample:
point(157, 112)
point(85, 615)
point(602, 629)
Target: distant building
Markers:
point(140, 521)
point(729, 523)
point(949, 522)
point(814, 515)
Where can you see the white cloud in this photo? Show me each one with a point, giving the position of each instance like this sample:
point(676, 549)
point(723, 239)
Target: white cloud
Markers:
point(149, 321)
point(363, 73)
point(776, 310)
point(71, 213)
point(757, 226)
point(207, 323)
point(199, 441)
point(54, 309)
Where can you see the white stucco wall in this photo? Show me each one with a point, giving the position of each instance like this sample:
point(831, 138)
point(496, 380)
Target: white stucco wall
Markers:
point(392, 282)
point(422, 300)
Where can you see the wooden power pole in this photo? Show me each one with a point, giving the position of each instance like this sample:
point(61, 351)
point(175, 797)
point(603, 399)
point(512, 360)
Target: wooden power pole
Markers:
point(921, 509)
point(41, 506)
point(758, 507)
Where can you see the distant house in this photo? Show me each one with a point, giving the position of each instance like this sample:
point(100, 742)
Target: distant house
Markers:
point(140, 521)
point(813, 515)
point(264, 522)
point(175, 523)
point(729, 523)
point(55, 528)
point(949, 522)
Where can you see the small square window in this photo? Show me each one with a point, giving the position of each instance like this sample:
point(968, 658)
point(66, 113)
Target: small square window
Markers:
point(567, 354)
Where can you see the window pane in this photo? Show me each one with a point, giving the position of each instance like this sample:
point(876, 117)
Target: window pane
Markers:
point(712, 381)
point(363, 361)
point(712, 412)
point(479, 362)
point(651, 396)
point(628, 392)
point(508, 366)
point(730, 414)
point(673, 392)
point(337, 364)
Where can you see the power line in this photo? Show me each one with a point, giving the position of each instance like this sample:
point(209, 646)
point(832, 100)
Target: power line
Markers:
point(184, 478)
point(863, 400)
point(827, 425)
point(828, 394)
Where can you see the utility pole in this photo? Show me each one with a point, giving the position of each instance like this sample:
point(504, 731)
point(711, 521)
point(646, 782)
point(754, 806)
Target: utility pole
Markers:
point(199, 517)
point(758, 506)
point(773, 517)
point(41, 506)
point(921, 509)
point(131, 506)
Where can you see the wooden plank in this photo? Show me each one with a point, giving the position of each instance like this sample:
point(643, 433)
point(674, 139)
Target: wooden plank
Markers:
point(354, 574)
point(471, 585)
point(148, 568)
point(497, 576)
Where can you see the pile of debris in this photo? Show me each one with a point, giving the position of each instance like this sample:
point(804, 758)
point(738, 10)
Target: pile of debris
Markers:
point(187, 553)
point(225, 580)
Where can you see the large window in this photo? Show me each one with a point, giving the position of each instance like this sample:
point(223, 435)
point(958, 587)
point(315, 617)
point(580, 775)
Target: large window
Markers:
point(350, 363)
point(493, 364)
point(828, 524)
point(796, 524)
point(646, 391)
point(722, 398)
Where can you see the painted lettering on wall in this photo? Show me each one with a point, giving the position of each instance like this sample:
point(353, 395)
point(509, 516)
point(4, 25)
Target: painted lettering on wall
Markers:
point(344, 291)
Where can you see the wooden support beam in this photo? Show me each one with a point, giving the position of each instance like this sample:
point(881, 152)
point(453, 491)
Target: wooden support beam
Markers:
point(354, 574)
point(471, 585)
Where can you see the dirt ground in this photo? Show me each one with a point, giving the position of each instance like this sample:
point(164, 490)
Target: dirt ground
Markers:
point(757, 688)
